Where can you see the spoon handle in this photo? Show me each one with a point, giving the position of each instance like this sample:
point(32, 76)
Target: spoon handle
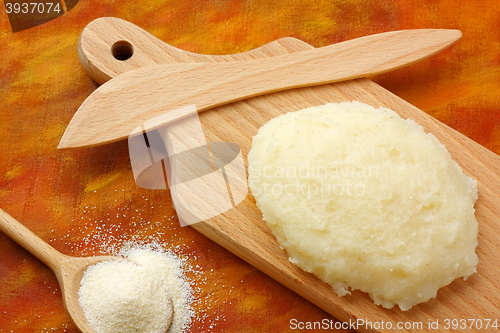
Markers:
point(109, 46)
point(31, 242)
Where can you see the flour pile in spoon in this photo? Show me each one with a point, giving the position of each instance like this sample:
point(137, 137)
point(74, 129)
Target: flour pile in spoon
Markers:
point(138, 295)
point(365, 200)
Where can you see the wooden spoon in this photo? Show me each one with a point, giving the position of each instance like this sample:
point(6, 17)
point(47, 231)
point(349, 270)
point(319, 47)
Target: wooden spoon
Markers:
point(68, 270)
point(132, 98)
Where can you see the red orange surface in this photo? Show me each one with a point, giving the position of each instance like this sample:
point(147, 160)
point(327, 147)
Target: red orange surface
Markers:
point(79, 199)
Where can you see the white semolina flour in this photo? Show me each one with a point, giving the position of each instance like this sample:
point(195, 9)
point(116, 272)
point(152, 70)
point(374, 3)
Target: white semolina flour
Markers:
point(137, 295)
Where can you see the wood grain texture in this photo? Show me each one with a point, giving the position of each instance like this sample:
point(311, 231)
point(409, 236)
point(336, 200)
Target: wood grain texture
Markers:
point(242, 231)
point(146, 93)
point(68, 270)
point(96, 42)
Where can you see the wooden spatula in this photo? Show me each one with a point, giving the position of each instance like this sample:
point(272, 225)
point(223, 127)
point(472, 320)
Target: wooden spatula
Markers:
point(242, 231)
point(140, 95)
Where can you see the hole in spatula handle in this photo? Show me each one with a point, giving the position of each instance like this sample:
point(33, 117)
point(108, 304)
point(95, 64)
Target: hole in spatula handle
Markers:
point(122, 50)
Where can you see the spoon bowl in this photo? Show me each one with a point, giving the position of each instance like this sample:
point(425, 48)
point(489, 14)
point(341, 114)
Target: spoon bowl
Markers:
point(68, 270)
point(69, 275)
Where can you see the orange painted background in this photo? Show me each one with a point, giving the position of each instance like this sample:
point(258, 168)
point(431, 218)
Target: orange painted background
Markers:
point(85, 199)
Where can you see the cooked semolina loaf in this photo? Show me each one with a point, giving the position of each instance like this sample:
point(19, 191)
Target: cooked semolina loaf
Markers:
point(365, 200)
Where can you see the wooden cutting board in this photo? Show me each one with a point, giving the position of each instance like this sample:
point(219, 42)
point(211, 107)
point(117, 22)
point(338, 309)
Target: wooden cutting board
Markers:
point(242, 231)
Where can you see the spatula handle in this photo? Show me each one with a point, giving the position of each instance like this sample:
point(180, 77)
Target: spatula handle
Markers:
point(29, 241)
point(109, 46)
